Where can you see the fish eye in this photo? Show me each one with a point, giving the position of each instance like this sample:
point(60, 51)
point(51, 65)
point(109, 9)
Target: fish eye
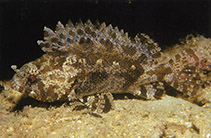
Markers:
point(32, 78)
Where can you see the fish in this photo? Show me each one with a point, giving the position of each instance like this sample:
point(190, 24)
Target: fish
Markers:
point(91, 62)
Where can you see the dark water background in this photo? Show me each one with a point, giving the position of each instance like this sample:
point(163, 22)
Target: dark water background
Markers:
point(166, 21)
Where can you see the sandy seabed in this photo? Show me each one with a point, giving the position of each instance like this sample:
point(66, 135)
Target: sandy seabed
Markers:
point(169, 117)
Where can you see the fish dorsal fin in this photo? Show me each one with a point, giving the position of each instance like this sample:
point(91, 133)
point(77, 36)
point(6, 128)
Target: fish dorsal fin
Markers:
point(147, 44)
point(72, 34)
point(88, 36)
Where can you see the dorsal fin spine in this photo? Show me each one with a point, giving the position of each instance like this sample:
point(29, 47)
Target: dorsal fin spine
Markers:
point(71, 35)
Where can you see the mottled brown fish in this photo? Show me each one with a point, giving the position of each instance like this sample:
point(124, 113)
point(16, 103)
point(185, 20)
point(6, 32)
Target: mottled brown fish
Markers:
point(191, 66)
point(91, 62)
